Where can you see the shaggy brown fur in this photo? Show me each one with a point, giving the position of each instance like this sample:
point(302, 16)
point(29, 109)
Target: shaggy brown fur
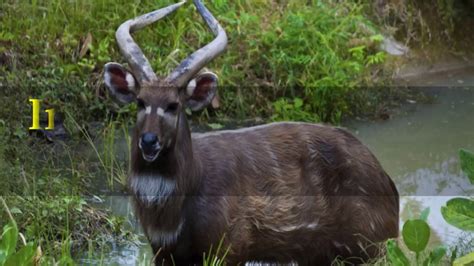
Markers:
point(279, 193)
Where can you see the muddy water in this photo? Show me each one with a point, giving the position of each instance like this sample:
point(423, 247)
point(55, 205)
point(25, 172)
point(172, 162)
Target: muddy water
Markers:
point(418, 148)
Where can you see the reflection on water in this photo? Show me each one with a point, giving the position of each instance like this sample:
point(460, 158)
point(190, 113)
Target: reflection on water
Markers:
point(133, 253)
point(419, 150)
point(126, 254)
point(424, 138)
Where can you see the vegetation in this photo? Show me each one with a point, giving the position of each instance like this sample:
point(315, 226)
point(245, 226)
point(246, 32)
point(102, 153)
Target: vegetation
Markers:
point(283, 62)
point(270, 59)
point(434, 25)
point(458, 212)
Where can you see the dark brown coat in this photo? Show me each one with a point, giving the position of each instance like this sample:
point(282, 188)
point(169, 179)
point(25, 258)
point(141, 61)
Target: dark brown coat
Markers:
point(278, 192)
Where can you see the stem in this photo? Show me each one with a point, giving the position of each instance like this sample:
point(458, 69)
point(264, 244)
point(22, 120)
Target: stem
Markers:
point(7, 210)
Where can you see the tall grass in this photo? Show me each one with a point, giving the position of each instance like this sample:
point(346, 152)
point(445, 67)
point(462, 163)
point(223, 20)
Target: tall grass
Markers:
point(276, 49)
point(105, 149)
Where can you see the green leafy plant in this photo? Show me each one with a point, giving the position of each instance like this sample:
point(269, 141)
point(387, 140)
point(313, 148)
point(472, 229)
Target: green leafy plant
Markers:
point(467, 163)
point(395, 254)
point(459, 212)
point(416, 234)
point(465, 260)
point(9, 254)
point(292, 110)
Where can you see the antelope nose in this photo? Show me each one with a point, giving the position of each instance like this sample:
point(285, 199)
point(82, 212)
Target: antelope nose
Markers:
point(148, 140)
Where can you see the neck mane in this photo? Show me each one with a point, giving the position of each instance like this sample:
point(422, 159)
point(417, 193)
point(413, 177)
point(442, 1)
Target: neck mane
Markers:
point(159, 189)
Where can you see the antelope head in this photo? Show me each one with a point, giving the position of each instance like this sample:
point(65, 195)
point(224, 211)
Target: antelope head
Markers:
point(162, 100)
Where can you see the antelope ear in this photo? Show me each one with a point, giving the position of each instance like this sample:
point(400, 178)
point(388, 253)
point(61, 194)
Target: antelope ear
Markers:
point(201, 90)
point(121, 83)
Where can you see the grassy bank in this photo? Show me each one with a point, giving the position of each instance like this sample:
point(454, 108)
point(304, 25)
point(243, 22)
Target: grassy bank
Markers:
point(277, 53)
point(286, 60)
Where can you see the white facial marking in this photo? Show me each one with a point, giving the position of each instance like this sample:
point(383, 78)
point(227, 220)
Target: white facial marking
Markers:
point(140, 115)
point(108, 79)
point(190, 88)
point(160, 112)
point(164, 238)
point(148, 110)
point(152, 189)
point(130, 81)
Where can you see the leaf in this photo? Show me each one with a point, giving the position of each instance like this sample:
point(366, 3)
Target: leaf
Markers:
point(395, 254)
point(9, 239)
point(376, 38)
point(86, 45)
point(215, 126)
point(459, 212)
point(298, 103)
point(416, 234)
point(3, 256)
point(465, 260)
point(15, 210)
point(467, 163)
point(23, 257)
point(424, 214)
point(435, 257)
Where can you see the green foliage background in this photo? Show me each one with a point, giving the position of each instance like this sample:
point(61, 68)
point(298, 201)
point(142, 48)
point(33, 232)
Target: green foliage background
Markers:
point(318, 51)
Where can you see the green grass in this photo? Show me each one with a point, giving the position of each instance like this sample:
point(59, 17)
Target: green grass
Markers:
point(286, 60)
point(269, 57)
point(46, 187)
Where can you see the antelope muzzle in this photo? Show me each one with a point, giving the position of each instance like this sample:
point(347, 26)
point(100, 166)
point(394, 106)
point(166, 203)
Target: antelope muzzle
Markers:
point(150, 146)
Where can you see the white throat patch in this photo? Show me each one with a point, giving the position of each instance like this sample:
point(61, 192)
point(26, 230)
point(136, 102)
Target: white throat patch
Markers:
point(152, 189)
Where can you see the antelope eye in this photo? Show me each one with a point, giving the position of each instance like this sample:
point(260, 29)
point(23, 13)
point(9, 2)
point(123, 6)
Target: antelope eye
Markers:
point(140, 104)
point(172, 108)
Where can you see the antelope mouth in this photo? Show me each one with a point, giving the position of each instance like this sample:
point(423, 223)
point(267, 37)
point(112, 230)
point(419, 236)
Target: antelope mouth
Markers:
point(150, 156)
